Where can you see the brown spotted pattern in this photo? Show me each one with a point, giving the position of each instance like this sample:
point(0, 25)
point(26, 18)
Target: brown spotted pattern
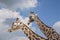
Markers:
point(49, 32)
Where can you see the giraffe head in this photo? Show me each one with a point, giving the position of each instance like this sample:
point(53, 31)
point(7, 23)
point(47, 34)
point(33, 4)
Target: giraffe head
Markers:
point(15, 25)
point(31, 17)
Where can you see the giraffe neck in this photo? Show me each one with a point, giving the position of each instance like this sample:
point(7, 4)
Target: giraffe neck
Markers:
point(48, 31)
point(29, 33)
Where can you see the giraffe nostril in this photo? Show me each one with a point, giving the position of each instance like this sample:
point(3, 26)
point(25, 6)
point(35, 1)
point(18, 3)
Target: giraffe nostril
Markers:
point(20, 22)
point(28, 23)
point(9, 30)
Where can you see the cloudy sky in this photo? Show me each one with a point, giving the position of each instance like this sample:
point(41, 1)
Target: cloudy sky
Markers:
point(47, 10)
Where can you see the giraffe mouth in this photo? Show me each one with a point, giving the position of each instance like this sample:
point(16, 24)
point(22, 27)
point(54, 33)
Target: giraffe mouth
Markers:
point(9, 30)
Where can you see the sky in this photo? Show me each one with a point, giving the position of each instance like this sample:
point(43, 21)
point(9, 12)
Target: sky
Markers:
point(48, 11)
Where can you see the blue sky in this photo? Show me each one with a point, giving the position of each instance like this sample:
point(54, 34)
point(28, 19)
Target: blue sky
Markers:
point(47, 10)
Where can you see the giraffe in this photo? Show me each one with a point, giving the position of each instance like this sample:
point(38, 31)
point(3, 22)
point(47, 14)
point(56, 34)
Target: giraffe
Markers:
point(29, 33)
point(49, 32)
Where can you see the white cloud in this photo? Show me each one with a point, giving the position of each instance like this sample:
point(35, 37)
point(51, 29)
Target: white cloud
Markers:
point(14, 4)
point(19, 38)
point(5, 14)
point(56, 26)
point(8, 14)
